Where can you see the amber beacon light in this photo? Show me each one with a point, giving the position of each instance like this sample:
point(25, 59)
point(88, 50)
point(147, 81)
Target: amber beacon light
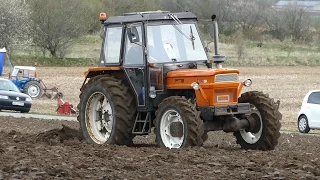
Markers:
point(103, 16)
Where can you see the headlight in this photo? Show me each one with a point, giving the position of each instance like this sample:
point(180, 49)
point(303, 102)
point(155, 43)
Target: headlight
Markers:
point(4, 97)
point(28, 99)
point(195, 86)
point(247, 82)
point(152, 92)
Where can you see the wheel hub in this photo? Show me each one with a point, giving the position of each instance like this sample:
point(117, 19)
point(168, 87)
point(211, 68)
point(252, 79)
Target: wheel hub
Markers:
point(33, 91)
point(255, 123)
point(302, 124)
point(99, 118)
point(176, 129)
point(255, 132)
point(172, 129)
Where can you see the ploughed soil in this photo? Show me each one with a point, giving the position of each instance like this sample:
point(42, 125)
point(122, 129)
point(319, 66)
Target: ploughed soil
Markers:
point(43, 149)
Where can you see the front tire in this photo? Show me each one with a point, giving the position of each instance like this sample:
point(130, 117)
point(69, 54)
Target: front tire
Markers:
point(33, 89)
point(267, 131)
point(303, 124)
point(106, 111)
point(178, 124)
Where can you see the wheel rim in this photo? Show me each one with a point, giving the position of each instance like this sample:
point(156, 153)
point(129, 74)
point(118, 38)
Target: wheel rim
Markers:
point(167, 120)
point(99, 118)
point(250, 137)
point(34, 91)
point(302, 123)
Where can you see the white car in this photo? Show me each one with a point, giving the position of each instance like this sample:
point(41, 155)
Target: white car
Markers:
point(309, 115)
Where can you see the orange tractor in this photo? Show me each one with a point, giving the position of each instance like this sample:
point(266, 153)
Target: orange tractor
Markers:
point(155, 72)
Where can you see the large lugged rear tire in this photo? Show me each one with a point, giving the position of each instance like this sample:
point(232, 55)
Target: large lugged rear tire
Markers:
point(268, 115)
point(33, 89)
point(106, 111)
point(178, 115)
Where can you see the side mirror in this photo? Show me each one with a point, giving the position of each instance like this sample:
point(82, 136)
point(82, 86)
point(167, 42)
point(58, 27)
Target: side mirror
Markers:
point(133, 34)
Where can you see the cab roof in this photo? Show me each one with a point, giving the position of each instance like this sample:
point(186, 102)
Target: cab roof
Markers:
point(148, 16)
point(31, 68)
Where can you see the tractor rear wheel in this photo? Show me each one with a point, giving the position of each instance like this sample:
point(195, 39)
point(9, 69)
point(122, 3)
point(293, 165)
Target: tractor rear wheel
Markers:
point(178, 124)
point(266, 113)
point(106, 111)
point(33, 89)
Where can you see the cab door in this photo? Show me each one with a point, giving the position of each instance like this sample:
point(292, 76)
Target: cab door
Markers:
point(134, 62)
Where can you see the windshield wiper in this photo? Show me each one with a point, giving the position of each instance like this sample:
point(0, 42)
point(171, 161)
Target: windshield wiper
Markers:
point(177, 20)
point(192, 38)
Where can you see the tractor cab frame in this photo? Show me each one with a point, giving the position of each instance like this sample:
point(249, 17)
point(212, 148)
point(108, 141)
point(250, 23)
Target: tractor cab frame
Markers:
point(146, 46)
point(154, 72)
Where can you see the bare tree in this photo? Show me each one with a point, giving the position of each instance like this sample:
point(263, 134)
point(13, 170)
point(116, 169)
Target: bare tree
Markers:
point(13, 21)
point(297, 22)
point(292, 22)
point(275, 24)
point(246, 14)
point(56, 23)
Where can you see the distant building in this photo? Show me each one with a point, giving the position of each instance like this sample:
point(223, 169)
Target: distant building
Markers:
point(312, 7)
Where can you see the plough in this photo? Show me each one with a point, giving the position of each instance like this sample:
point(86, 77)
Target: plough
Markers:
point(64, 107)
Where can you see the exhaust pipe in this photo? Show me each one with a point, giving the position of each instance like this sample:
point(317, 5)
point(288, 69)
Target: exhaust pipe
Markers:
point(218, 59)
point(215, 34)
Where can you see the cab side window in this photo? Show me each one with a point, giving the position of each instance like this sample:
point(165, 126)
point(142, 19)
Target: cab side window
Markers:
point(112, 44)
point(134, 50)
point(314, 98)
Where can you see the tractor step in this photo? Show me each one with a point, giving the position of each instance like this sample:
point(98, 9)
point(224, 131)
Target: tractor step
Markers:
point(142, 124)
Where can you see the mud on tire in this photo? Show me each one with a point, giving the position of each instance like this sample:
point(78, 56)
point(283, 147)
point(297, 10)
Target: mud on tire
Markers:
point(269, 111)
point(123, 108)
point(193, 125)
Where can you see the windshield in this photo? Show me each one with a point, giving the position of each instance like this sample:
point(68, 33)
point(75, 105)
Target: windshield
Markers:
point(8, 86)
point(174, 43)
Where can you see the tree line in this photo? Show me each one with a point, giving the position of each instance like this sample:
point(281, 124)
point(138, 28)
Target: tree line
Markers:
point(53, 25)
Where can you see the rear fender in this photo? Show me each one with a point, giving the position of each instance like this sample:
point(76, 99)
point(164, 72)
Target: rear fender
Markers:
point(113, 71)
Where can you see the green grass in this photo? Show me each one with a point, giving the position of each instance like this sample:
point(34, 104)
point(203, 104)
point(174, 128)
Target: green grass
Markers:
point(25, 60)
point(86, 51)
point(297, 47)
point(88, 39)
point(271, 54)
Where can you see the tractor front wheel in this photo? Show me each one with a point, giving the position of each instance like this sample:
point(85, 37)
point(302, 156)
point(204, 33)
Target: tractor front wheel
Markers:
point(33, 89)
point(266, 113)
point(106, 111)
point(178, 124)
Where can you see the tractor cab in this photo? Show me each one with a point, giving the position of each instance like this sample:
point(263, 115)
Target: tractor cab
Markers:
point(20, 72)
point(154, 71)
point(20, 75)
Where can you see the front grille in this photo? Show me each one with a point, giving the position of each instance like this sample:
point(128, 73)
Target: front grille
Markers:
point(225, 95)
point(226, 77)
point(15, 98)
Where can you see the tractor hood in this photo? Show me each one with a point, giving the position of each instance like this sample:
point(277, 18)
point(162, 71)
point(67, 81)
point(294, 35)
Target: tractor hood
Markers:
point(207, 78)
point(200, 72)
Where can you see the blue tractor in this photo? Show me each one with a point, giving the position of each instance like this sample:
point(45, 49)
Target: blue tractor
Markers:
point(25, 78)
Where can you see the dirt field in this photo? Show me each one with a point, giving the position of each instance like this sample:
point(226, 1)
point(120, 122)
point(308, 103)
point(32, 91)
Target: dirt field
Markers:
point(40, 149)
point(288, 84)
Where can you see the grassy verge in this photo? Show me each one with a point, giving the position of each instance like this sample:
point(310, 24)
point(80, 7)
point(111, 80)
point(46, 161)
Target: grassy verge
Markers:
point(271, 54)
point(24, 60)
point(86, 51)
